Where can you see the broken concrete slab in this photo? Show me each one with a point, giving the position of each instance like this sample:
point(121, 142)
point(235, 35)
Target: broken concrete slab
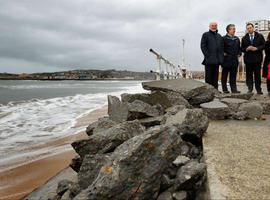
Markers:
point(216, 110)
point(195, 92)
point(233, 103)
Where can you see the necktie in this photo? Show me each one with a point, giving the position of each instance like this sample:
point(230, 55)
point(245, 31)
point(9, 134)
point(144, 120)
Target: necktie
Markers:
point(251, 38)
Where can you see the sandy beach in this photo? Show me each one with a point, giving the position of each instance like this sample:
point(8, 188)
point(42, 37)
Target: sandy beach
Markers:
point(18, 180)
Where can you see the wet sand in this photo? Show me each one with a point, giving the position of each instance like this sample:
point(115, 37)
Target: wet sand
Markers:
point(18, 180)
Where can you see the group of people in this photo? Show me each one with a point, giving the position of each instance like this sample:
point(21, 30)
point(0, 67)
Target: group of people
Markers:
point(227, 50)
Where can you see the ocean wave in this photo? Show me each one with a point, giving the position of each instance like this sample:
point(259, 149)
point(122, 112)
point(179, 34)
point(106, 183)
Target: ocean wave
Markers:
point(38, 120)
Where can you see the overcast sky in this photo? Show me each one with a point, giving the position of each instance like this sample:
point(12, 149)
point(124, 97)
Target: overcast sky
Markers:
point(52, 35)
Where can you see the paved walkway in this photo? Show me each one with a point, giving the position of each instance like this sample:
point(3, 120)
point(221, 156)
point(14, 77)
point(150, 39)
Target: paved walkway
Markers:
point(237, 154)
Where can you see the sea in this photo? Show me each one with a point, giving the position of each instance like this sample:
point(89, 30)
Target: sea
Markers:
point(33, 112)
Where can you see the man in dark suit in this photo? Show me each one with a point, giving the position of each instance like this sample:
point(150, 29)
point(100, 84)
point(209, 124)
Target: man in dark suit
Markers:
point(252, 46)
point(212, 47)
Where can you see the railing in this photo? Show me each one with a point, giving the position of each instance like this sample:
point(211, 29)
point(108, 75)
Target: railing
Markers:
point(169, 71)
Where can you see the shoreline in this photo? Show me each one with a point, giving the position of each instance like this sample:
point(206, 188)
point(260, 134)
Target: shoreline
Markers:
point(20, 179)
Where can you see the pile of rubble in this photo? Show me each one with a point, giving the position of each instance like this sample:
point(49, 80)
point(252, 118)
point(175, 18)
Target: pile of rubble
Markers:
point(150, 145)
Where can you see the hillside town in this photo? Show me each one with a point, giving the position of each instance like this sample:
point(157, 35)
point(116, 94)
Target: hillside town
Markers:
point(81, 75)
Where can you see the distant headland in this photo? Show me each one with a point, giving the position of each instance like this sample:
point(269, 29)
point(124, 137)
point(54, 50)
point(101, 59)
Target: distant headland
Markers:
point(86, 75)
point(81, 75)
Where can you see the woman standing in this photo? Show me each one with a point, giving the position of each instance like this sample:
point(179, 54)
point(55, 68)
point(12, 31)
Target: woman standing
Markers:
point(266, 65)
point(232, 51)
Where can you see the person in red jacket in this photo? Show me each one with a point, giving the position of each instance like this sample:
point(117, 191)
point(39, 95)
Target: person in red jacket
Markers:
point(266, 64)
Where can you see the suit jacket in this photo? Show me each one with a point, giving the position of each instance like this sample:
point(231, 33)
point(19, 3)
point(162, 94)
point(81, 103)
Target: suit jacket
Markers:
point(253, 57)
point(212, 47)
point(232, 50)
point(266, 59)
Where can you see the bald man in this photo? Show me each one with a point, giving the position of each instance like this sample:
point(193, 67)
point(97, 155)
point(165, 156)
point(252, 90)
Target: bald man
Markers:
point(212, 47)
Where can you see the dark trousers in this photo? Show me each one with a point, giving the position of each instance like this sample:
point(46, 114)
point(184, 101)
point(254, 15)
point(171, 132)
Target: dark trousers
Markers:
point(253, 72)
point(232, 72)
point(268, 85)
point(211, 75)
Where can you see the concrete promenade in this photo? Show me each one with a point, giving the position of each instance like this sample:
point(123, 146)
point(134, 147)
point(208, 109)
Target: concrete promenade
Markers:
point(237, 154)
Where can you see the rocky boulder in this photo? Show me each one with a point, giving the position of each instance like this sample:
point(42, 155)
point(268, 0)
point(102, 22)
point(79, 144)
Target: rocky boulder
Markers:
point(106, 141)
point(254, 110)
point(117, 110)
point(123, 111)
point(190, 175)
point(216, 110)
point(136, 167)
point(90, 168)
point(100, 125)
point(190, 122)
point(139, 110)
point(233, 103)
point(154, 98)
point(195, 92)
point(152, 121)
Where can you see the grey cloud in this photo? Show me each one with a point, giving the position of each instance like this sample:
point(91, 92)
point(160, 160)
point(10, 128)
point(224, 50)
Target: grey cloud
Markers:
point(51, 35)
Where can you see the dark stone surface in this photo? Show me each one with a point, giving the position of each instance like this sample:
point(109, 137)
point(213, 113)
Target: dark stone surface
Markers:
point(154, 98)
point(139, 110)
point(107, 141)
point(76, 163)
point(216, 110)
point(100, 125)
point(181, 195)
point(63, 186)
point(189, 175)
point(151, 121)
point(117, 110)
point(176, 98)
point(175, 109)
point(90, 168)
point(190, 122)
point(137, 166)
point(195, 92)
point(165, 196)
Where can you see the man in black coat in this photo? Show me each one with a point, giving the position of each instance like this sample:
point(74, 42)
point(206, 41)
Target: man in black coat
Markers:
point(252, 46)
point(212, 47)
point(232, 52)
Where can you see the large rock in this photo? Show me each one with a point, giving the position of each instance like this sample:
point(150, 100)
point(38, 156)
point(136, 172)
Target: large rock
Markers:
point(190, 122)
point(195, 92)
point(90, 168)
point(189, 175)
point(216, 110)
point(254, 109)
point(123, 111)
point(176, 98)
point(107, 141)
point(100, 125)
point(245, 96)
point(265, 102)
point(139, 110)
point(136, 167)
point(117, 110)
point(154, 98)
point(233, 103)
point(151, 121)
